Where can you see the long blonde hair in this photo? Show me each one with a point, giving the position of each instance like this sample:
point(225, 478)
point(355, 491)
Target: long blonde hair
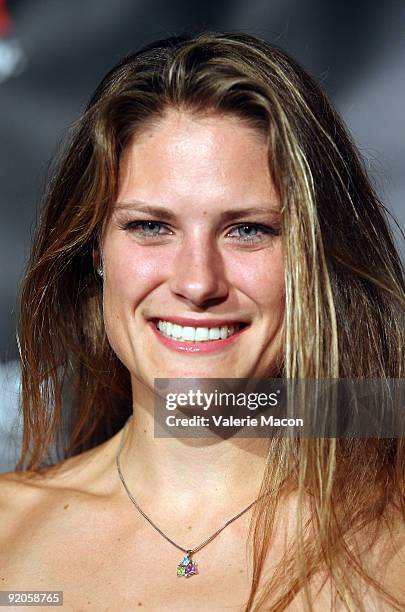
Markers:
point(345, 293)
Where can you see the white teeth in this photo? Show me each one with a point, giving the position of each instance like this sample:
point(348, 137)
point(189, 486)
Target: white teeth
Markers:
point(176, 331)
point(196, 334)
point(188, 333)
point(215, 334)
point(202, 334)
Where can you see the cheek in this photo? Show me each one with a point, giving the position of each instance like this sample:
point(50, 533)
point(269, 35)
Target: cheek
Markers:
point(260, 276)
point(130, 275)
point(132, 272)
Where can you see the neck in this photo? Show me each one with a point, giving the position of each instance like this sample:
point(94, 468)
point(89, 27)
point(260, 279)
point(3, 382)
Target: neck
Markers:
point(187, 472)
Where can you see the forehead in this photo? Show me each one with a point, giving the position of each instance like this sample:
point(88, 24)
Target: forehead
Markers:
point(206, 161)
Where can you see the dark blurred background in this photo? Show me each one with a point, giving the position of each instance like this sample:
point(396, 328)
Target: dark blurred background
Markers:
point(53, 53)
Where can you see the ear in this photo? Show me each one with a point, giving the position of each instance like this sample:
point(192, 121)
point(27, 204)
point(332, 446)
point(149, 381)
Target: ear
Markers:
point(97, 263)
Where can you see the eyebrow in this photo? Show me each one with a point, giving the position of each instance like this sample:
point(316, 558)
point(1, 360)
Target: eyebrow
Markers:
point(167, 215)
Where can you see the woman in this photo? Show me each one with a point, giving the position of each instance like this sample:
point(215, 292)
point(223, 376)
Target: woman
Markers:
point(209, 185)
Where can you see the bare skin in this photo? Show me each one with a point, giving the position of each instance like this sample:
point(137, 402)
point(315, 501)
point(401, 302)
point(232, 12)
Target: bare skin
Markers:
point(76, 531)
point(198, 169)
point(74, 528)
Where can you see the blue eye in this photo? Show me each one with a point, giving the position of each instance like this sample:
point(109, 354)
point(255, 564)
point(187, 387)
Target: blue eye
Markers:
point(150, 227)
point(254, 232)
point(147, 229)
point(247, 233)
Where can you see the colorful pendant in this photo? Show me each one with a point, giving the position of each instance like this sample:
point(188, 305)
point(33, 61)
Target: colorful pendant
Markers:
point(187, 567)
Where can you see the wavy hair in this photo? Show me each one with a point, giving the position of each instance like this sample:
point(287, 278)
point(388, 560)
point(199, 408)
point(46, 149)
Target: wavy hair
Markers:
point(344, 296)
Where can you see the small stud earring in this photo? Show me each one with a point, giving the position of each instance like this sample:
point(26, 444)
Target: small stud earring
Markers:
point(100, 271)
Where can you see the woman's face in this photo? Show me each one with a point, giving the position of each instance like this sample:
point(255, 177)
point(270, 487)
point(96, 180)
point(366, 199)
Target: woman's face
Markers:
point(193, 243)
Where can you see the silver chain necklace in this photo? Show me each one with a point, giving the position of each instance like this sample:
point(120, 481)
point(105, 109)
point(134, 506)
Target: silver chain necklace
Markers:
point(187, 567)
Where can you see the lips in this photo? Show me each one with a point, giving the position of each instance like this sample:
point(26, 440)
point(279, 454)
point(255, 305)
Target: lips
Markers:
point(207, 322)
point(193, 345)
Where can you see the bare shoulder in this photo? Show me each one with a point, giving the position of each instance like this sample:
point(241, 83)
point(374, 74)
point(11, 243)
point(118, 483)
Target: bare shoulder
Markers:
point(27, 496)
point(19, 488)
point(384, 561)
point(19, 496)
point(392, 559)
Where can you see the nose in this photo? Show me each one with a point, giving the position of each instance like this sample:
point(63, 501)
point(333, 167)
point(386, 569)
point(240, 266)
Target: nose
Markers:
point(198, 272)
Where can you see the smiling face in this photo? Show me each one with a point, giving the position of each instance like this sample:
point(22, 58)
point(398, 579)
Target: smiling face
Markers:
point(185, 247)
